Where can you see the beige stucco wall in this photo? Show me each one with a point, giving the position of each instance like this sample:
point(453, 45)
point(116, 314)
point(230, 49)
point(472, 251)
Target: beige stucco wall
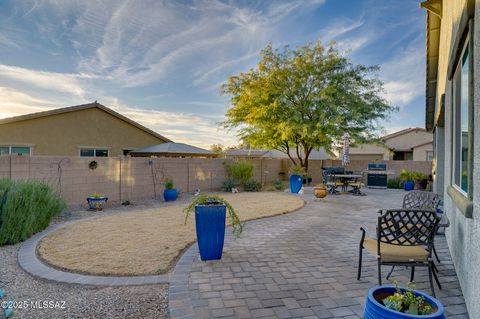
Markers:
point(132, 178)
point(408, 140)
point(463, 235)
point(420, 152)
point(64, 134)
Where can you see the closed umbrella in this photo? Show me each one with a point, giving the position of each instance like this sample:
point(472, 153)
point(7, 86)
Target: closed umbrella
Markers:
point(346, 149)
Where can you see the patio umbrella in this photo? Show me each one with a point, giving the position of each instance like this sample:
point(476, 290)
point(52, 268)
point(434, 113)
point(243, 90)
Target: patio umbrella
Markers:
point(346, 149)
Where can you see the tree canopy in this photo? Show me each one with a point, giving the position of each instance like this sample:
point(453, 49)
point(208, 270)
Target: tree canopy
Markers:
point(306, 98)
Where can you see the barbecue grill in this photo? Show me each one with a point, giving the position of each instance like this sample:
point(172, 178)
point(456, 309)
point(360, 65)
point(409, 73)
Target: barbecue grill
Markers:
point(377, 176)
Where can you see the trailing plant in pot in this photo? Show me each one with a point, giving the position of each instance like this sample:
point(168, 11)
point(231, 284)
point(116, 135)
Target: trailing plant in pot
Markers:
point(210, 219)
point(296, 178)
point(394, 302)
point(170, 194)
point(97, 201)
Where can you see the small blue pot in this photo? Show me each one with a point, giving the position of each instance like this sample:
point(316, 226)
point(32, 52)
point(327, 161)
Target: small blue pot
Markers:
point(375, 310)
point(409, 185)
point(296, 183)
point(95, 203)
point(170, 195)
point(210, 226)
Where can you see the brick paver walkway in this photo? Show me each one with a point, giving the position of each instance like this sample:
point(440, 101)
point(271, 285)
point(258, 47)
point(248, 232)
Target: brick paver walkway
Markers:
point(300, 265)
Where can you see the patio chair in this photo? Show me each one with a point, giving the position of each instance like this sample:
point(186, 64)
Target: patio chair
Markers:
point(428, 200)
point(404, 237)
point(421, 199)
point(331, 181)
point(357, 185)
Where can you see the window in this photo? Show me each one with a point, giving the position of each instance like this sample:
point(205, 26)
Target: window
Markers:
point(91, 152)
point(429, 155)
point(101, 153)
point(16, 150)
point(461, 129)
point(402, 156)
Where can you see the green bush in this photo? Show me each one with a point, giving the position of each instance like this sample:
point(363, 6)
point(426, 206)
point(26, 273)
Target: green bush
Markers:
point(252, 186)
point(26, 208)
point(394, 183)
point(241, 171)
point(412, 176)
point(227, 185)
point(279, 185)
point(168, 183)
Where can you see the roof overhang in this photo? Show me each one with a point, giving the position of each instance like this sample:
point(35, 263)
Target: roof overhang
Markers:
point(434, 16)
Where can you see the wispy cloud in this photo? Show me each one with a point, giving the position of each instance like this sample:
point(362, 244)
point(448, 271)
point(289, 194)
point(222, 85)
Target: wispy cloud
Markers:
point(340, 27)
point(404, 74)
point(60, 82)
point(14, 102)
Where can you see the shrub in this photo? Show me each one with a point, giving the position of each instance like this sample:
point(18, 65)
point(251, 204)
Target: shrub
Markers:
point(252, 186)
point(26, 208)
point(394, 183)
point(227, 185)
point(279, 185)
point(297, 170)
point(168, 183)
point(241, 171)
point(412, 176)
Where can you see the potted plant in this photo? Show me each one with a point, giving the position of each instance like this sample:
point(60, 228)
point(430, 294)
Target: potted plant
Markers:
point(210, 218)
point(320, 190)
point(421, 180)
point(296, 178)
point(401, 303)
point(170, 194)
point(407, 178)
point(307, 179)
point(97, 201)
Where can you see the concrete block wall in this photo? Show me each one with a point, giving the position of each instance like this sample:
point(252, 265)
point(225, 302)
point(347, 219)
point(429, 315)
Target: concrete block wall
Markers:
point(127, 178)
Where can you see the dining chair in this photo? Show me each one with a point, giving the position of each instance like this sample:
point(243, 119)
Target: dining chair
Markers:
point(404, 237)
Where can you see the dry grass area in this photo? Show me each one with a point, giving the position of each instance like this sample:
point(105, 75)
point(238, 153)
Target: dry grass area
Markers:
point(144, 242)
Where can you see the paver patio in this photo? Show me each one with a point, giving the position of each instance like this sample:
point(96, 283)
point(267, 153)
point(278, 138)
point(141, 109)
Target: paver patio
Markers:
point(300, 265)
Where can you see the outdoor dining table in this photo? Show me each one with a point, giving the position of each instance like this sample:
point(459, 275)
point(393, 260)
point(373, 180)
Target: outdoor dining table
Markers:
point(345, 177)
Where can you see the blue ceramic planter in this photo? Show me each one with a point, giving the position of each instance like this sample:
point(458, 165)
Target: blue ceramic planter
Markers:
point(409, 185)
point(170, 195)
point(375, 310)
point(95, 203)
point(296, 182)
point(210, 227)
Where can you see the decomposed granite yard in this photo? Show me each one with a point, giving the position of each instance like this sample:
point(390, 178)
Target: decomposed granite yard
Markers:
point(144, 241)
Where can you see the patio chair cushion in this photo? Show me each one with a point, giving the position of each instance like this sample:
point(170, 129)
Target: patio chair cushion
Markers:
point(396, 253)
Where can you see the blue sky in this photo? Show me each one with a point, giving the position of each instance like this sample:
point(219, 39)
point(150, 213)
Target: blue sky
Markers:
point(162, 62)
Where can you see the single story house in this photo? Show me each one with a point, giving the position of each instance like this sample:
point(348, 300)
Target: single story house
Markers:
point(171, 149)
point(406, 145)
point(83, 130)
point(255, 153)
point(453, 115)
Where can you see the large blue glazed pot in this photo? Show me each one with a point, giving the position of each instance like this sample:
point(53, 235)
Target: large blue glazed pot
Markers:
point(296, 183)
point(170, 195)
point(375, 310)
point(409, 185)
point(210, 227)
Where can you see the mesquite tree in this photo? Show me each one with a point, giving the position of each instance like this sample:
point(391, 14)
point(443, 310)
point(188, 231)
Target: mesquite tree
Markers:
point(306, 98)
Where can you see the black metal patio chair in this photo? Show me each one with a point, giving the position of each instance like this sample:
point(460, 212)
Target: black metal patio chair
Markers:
point(405, 238)
point(427, 200)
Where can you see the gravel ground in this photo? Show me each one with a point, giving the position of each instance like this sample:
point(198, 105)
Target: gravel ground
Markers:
point(87, 302)
point(80, 301)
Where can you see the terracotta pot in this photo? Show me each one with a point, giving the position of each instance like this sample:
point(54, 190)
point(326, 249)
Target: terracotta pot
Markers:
point(320, 191)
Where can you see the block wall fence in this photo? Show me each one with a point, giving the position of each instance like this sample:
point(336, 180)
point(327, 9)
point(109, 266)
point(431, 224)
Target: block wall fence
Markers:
point(139, 178)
